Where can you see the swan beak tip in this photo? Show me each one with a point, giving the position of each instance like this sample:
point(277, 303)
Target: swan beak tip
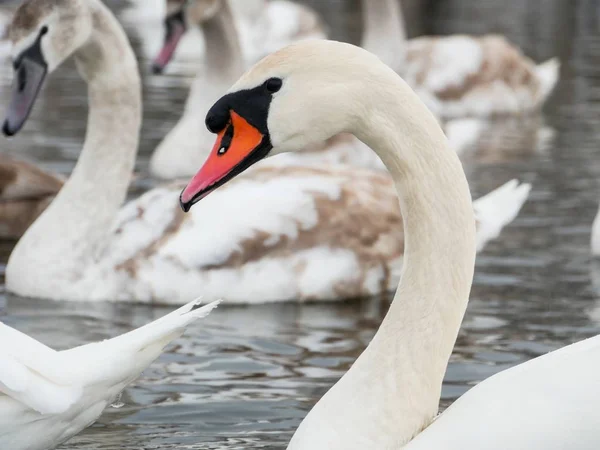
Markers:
point(7, 129)
point(157, 69)
point(185, 206)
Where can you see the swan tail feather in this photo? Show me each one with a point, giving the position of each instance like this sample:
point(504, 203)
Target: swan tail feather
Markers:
point(547, 74)
point(497, 209)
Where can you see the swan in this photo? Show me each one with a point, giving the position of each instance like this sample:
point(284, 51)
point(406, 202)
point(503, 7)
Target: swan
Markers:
point(48, 396)
point(25, 191)
point(291, 246)
point(491, 76)
point(310, 91)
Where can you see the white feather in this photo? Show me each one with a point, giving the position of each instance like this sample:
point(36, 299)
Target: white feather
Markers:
point(497, 209)
point(46, 397)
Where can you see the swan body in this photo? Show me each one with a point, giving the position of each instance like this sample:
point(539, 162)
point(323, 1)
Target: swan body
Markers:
point(391, 393)
point(25, 191)
point(496, 78)
point(542, 403)
point(280, 246)
point(489, 77)
point(48, 396)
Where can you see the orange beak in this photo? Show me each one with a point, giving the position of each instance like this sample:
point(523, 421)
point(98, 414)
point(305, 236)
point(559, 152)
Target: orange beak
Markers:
point(239, 145)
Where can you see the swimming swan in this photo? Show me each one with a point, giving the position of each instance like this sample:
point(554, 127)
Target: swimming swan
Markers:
point(289, 245)
point(311, 91)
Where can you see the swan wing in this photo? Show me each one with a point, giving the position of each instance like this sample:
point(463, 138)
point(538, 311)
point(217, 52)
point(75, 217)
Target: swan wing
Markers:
point(497, 209)
point(114, 363)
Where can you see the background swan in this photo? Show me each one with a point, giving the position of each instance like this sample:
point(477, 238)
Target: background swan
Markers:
point(275, 248)
point(25, 191)
point(391, 393)
point(48, 396)
point(491, 76)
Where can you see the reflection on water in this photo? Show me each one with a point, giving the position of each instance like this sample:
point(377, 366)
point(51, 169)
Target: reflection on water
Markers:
point(245, 377)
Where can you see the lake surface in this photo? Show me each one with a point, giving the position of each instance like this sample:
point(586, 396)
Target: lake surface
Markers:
point(246, 376)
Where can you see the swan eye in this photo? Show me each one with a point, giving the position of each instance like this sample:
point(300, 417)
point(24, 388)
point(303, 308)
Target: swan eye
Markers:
point(43, 30)
point(273, 84)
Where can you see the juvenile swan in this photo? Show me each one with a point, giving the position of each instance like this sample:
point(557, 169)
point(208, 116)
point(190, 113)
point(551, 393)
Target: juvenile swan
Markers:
point(311, 91)
point(287, 246)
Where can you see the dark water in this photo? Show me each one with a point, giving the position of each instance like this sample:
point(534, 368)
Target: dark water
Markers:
point(245, 377)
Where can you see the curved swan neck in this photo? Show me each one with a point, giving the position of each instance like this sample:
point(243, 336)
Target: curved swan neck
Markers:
point(393, 389)
point(384, 34)
point(73, 229)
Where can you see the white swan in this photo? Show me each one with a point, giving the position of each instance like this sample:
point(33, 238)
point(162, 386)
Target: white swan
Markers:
point(289, 246)
point(310, 91)
point(458, 75)
point(25, 191)
point(48, 396)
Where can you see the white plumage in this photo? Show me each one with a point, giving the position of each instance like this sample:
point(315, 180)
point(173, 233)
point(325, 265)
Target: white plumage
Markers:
point(48, 396)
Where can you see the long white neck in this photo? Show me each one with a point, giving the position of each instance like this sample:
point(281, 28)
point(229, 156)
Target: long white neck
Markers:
point(384, 34)
point(64, 241)
point(393, 389)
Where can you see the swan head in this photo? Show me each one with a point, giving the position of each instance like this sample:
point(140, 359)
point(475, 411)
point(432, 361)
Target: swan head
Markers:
point(295, 98)
point(43, 34)
point(182, 15)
